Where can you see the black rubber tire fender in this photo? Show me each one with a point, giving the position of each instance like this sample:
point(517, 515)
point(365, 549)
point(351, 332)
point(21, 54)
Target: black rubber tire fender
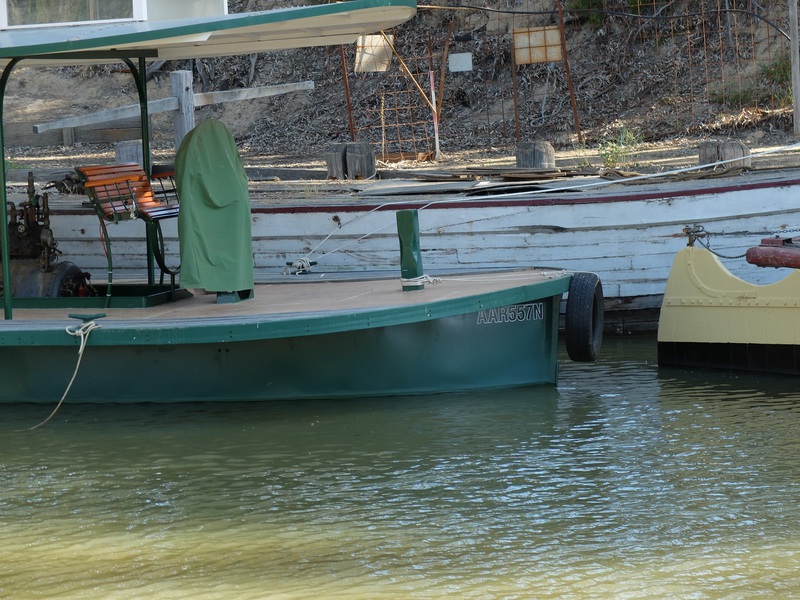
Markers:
point(583, 325)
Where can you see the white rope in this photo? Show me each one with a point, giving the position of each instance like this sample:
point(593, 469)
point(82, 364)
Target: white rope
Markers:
point(374, 231)
point(340, 225)
point(516, 276)
point(422, 279)
point(301, 265)
point(521, 275)
point(83, 332)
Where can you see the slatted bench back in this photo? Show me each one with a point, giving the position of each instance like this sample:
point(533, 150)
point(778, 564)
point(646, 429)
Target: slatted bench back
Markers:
point(123, 191)
point(162, 178)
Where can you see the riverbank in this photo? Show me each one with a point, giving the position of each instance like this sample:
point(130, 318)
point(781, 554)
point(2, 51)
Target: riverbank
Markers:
point(768, 151)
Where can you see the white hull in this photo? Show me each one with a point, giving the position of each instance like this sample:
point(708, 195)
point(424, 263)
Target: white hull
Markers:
point(626, 233)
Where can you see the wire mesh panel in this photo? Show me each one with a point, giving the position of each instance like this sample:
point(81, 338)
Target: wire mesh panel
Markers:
point(394, 108)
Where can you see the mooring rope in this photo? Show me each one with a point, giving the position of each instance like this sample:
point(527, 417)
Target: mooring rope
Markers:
point(340, 225)
point(83, 332)
point(301, 265)
point(419, 280)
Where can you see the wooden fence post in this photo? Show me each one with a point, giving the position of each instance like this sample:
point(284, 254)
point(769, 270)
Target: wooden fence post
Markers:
point(336, 162)
point(183, 118)
point(129, 151)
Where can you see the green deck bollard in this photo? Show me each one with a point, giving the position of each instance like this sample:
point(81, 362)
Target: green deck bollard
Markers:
point(410, 254)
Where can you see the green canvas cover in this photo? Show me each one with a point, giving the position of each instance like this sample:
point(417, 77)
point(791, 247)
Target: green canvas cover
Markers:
point(216, 244)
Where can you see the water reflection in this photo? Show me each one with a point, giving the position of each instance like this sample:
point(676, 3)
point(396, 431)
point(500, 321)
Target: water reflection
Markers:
point(622, 482)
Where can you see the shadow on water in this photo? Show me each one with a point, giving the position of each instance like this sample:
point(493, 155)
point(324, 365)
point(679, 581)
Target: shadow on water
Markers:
point(630, 363)
point(366, 424)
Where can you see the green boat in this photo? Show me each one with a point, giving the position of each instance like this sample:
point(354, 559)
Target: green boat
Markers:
point(211, 332)
point(302, 339)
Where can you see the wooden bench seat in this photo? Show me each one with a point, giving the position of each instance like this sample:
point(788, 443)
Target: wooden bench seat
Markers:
point(124, 191)
point(121, 192)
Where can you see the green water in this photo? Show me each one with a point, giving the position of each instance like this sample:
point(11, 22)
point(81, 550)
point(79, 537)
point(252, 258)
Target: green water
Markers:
point(621, 483)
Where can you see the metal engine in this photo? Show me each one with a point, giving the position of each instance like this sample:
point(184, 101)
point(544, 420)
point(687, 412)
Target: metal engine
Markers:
point(34, 253)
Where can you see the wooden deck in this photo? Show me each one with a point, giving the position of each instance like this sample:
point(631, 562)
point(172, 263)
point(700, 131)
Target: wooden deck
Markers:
point(298, 296)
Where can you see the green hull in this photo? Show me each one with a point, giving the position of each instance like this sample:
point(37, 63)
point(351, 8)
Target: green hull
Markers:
point(493, 348)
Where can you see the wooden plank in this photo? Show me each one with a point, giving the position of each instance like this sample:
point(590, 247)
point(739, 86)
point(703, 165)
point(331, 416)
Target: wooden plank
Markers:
point(114, 114)
point(295, 295)
point(250, 93)
point(21, 134)
point(107, 135)
point(171, 103)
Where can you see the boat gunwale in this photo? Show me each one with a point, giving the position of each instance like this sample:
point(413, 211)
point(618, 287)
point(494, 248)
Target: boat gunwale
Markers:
point(551, 197)
point(147, 330)
point(59, 206)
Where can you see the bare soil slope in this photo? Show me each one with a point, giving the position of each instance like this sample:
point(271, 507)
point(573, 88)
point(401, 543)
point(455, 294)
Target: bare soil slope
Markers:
point(298, 128)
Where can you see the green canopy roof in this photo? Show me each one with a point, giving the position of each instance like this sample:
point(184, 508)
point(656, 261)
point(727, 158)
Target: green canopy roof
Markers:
point(223, 35)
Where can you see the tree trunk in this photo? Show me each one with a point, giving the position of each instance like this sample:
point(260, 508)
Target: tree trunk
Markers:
point(334, 159)
point(352, 160)
point(715, 151)
point(536, 155)
point(360, 160)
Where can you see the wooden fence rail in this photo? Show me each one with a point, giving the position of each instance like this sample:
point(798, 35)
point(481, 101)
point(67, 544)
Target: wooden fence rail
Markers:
point(94, 128)
point(21, 134)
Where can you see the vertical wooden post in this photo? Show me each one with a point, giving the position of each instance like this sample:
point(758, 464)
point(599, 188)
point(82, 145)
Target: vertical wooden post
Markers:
point(410, 254)
point(129, 151)
point(359, 160)
point(183, 118)
point(794, 45)
point(566, 69)
point(336, 162)
point(350, 122)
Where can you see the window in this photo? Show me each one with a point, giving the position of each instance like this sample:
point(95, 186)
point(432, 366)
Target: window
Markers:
point(28, 13)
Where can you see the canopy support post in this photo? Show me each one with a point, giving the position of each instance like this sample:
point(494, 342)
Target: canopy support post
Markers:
point(139, 73)
point(4, 243)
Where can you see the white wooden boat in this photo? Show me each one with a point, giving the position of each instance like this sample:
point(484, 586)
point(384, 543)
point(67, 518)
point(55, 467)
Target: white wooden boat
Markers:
point(626, 231)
